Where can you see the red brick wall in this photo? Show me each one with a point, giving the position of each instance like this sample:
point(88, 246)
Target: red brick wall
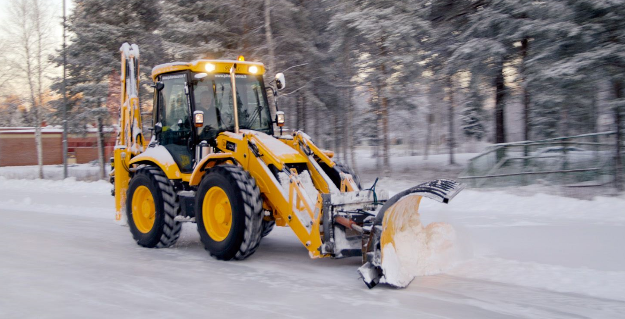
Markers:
point(88, 154)
point(108, 152)
point(18, 149)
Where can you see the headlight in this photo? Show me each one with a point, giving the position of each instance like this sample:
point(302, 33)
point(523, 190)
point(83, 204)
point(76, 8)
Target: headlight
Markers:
point(209, 67)
point(253, 69)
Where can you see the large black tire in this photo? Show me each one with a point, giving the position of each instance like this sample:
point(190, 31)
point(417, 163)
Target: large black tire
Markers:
point(165, 230)
point(268, 227)
point(245, 231)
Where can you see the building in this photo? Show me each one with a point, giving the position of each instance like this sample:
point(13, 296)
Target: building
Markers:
point(17, 146)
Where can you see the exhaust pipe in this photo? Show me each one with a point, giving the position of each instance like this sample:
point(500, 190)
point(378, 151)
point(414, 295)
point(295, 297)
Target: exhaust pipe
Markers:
point(233, 85)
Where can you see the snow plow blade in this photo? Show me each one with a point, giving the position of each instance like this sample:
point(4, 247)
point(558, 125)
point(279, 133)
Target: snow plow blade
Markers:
point(397, 226)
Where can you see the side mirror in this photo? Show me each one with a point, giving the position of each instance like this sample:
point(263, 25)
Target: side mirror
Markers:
point(158, 85)
point(280, 118)
point(280, 82)
point(158, 128)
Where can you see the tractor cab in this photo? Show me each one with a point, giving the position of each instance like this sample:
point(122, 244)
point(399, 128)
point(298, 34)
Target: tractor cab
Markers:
point(194, 102)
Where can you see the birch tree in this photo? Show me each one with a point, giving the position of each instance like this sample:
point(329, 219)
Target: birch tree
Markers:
point(29, 27)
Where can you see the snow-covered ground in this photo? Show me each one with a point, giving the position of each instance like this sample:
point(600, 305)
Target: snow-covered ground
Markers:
point(519, 256)
point(81, 172)
point(403, 165)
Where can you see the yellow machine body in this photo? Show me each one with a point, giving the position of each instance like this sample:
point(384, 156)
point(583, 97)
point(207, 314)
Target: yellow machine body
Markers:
point(290, 207)
point(130, 141)
point(291, 172)
point(199, 66)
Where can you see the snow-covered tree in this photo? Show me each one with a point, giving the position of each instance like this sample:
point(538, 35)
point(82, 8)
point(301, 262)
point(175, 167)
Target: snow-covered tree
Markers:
point(98, 28)
point(602, 28)
point(11, 111)
point(192, 29)
point(29, 31)
point(390, 33)
point(496, 25)
point(449, 23)
point(473, 112)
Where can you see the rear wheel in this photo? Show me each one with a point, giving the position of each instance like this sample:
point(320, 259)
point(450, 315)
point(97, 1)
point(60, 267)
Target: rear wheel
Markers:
point(151, 207)
point(229, 213)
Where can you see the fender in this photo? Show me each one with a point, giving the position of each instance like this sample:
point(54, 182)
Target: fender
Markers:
point(159, 156)
point(207, 162)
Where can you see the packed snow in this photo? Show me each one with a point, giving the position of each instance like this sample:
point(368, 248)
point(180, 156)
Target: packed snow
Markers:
point(515, 256)
point(81, 172)
point(415, 250)
point(278, 148)
point(160, 153)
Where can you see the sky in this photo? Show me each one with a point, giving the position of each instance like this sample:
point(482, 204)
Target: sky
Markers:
point(53, 5)
point(56, 34)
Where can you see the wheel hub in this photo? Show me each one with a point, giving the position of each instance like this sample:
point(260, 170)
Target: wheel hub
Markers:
point(217, 214)
point(143, 209)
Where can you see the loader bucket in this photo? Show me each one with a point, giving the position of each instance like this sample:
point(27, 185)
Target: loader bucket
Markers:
point(399, 245)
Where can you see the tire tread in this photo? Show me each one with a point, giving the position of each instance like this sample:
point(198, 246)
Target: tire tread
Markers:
point(171, 229)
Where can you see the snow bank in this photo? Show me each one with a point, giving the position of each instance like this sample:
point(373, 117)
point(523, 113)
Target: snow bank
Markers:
point(64, 197)
point(27, 204)
point(415, 168)
point(86, 172)
point(69, 185)
point(518, 207)
point(537, 208)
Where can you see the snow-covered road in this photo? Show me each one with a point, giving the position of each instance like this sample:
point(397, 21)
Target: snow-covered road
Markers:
point(539, 256)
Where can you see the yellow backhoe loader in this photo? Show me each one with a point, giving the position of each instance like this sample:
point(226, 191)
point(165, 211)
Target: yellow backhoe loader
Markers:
point(215, 159)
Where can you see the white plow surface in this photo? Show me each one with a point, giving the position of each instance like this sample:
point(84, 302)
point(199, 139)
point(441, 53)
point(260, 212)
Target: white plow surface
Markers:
point(418, 250)
point(540, 256)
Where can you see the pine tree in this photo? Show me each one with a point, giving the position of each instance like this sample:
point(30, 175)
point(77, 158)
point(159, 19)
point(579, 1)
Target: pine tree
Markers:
point(390, 33)
point(449, 22)
point(29, 27)
point(99, 27)
point(602, 28)
point(193, 29)
point(504, 29)
point(473, 113)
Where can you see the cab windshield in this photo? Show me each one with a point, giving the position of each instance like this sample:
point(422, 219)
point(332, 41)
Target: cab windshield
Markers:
point(213, 96)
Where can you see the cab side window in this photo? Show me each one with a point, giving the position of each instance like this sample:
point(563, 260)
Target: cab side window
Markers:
point(175, 120)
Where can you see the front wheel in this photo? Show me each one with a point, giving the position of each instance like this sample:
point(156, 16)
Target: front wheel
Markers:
point(151, 207)
point(229, 213)
point(268, 226)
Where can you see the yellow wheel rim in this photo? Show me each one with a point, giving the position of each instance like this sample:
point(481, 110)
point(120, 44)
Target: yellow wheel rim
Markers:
point(143, 209)
point(217, 214)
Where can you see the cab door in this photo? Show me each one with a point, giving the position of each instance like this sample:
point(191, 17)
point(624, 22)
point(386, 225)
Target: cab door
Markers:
point(175, 119)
